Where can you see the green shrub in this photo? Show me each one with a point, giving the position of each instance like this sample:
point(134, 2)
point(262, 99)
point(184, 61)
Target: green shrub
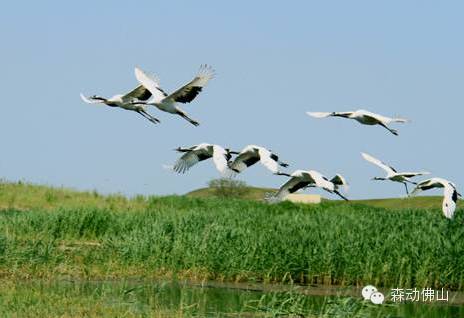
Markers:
point(228, 188)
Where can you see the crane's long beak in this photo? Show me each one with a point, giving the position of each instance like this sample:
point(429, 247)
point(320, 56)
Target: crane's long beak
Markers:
point(96, 97)
point(278, 173)
point(335, 114)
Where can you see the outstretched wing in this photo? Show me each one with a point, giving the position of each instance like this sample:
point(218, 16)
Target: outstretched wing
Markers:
point(189, 159)
point(221, 160)
point(449, 201)
point(150, 83)
point(188, 92)
point(413, 174)
point(140, 93)
point(291, 186)
point(243, 160)
point(378, 163)
point(424, 186)
point(267, 160)
point(382, 118)
point(319, 180)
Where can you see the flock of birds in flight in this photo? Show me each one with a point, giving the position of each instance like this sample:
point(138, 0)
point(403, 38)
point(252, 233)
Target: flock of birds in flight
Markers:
point(149, 93)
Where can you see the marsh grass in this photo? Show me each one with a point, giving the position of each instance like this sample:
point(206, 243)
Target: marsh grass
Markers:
point(230, 240)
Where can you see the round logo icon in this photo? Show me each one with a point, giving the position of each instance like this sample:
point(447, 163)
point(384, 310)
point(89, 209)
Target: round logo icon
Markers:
point(377, 298)
point(368, 291)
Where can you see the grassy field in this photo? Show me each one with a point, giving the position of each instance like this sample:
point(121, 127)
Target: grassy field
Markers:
point(25, 196)
point(48, 233)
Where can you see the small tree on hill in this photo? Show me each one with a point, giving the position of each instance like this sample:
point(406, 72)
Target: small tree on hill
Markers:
point(228, 188)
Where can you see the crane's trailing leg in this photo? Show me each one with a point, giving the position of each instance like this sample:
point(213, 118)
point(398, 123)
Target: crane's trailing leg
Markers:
point(148, 116)
point(393, 131)
point(340, 195)
point(190, 120)
point(406, 187)
point(151, 118)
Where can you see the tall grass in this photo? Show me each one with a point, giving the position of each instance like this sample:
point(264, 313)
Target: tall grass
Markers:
point(237, 240)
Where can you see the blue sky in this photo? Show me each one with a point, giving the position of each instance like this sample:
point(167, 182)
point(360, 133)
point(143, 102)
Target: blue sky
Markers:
point(274, 61)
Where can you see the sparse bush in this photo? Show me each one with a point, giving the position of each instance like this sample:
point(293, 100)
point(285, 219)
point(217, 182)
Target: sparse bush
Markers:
point(228, 188)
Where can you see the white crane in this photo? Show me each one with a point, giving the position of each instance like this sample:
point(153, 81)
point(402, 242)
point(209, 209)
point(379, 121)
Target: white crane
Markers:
point(301, 179)
point(185, 94)
point(364, 117)
point(203, 151)
point(392, 174)
point(251, 154)
point(450, 194)
point(125, 101)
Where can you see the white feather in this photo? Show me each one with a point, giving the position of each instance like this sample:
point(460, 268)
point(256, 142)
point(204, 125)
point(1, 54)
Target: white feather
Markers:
point(220, 161)
point(378, 163)
point(267, 161)
point(150, 83)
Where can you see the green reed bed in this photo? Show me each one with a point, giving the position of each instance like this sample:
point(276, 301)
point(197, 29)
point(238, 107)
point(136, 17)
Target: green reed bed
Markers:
point(237, 240)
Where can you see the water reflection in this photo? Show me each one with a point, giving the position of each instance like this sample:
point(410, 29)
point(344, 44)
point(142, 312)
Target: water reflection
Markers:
point(229, 300)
